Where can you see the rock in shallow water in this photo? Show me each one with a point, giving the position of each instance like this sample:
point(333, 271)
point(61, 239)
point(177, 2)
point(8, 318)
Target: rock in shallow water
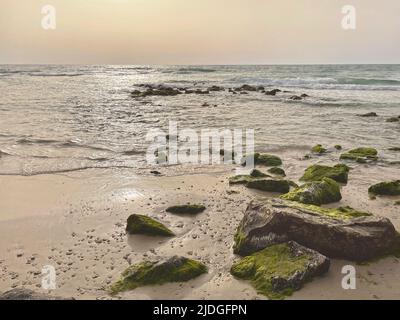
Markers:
point(174, 269)
point(337, 233)
point(280, 269)
point(186, 209)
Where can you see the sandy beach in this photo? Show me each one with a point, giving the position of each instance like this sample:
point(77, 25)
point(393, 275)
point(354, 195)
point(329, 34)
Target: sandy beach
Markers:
point(76, 223)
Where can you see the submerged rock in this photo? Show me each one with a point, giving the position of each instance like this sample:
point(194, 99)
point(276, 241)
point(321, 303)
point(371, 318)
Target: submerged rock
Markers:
point(393, 119)
point(139, 224)
point(318, 149)
point(394, 149)
point(388, 188)
point(186, 209)
point(272, 92)
point(277, 171)
point(156, 91)
point(295, 98)
point(369, 114)
point(338, 147)
point(338, 233)
point(360, 155)
point(339, 173)
point(175, 269)
point(279, 270)
point(269, 185)
point(215, 88)
point(317, 192)
point(27, 294)
point(246, 87)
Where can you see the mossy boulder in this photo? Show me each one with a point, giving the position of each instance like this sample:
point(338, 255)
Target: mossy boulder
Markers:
point(388, 188)
point(258, 174)
point(317, 192)
point(360, 155)
point(241, 179)
point(174, 269)
point(318, 149)
point(342, 233)
point(186, 209)
point(277, 171)
point(269, 185)
point(339, 173)
point(281, 269)
point(140, 224)
point(262, 159)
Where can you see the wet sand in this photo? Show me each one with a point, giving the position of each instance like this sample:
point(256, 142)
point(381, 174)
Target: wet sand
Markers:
point(76, 222)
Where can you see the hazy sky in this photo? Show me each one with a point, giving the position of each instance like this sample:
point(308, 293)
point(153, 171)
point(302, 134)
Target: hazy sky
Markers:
point(199, 32)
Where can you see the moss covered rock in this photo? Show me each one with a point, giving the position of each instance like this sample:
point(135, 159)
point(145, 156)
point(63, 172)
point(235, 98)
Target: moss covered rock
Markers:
point(279, 270)
point(139, 224)
point(277, 171)
point(393, 119)
point(258, 174)
point(388, 188)
point(175, 269)
point(263, 159)
point(269, 185)
point(318, 149)
point(241, 179)
point(186, 209)
point(317, 192)
point(360, 155)
point(339, 173)
point(342, 233)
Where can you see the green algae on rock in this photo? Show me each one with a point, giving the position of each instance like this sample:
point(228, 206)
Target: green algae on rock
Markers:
point(263, 159)
point(393, 119)
point(360, 155)
point(338, 147)
point(258, 174)
point(316, 192)
point(318, 149)
point(140, 224)
point(186, 209)
point(240, 179)
point(269, 185)
point(388, 188)
point(277, 171)
point(174, 269)
point(339, 173)
point(281, 269)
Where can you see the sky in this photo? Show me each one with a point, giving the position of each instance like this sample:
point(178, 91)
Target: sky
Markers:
point(199, 32)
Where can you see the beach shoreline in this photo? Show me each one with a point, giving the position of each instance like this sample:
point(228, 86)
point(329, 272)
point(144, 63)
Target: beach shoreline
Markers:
point(76, 222)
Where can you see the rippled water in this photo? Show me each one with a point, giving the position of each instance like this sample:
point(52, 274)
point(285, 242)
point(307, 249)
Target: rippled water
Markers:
point(61, 118)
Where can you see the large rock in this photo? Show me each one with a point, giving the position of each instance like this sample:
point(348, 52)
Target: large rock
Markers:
point(337, 233)
point(360, 155)
point(387, 188)
point(339, 173)
point(280, 269)
point(158, 272)
point(317, 193)
point(140, 224)
point(27, 294)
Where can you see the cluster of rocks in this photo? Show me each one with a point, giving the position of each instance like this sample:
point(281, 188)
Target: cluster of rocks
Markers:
point(286, 241)
point(159, 270)
point(374, 114)
point(162, 90)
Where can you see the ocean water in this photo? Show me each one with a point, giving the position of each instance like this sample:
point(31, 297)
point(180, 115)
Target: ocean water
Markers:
point(63, 118)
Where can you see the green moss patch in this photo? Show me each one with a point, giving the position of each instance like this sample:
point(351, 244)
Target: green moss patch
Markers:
point(276, 271)
point(257, 174)
point(277, 171)
point(318, 149)
point(342, 213)
point(360, 155)
point(339, 173)
point(317, 193)
point(389, 188)
point(139, 224)
point(186, 209)
point(175, 269)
